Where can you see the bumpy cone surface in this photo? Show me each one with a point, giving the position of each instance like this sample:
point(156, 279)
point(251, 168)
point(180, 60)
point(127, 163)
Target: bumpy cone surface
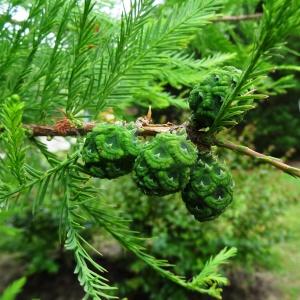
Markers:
point(109, 151)
point(163, 166)
point(209, 191)
point(206, 98)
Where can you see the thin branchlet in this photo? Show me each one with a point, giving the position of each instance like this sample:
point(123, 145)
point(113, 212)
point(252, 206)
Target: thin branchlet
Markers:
point(275, 162)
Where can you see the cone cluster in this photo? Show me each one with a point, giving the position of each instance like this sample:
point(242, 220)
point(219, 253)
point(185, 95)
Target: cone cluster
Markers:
point(166, 164)
point(170, 163)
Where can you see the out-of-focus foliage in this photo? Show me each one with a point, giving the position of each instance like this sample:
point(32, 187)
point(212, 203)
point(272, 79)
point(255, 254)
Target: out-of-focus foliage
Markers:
point(279, 131)
point(33, 238)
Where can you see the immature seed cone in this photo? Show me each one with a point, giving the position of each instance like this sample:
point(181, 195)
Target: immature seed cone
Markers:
point(163, 166)
point(209, 191)
point(109, 151)
point(206, 98)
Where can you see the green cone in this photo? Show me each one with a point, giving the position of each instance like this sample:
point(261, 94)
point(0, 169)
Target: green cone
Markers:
point(209, 191)
point(206, 98)
point(109, 151)
point(163, 166)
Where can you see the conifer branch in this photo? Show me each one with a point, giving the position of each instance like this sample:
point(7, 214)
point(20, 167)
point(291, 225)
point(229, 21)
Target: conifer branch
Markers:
point(145, 128)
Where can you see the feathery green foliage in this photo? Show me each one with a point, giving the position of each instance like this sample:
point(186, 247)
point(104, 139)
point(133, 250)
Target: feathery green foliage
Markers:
point(119, 229)
point(209, 273)
point(148, 44)
point(14, 135)
point(79, 83)
point(88, 271)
